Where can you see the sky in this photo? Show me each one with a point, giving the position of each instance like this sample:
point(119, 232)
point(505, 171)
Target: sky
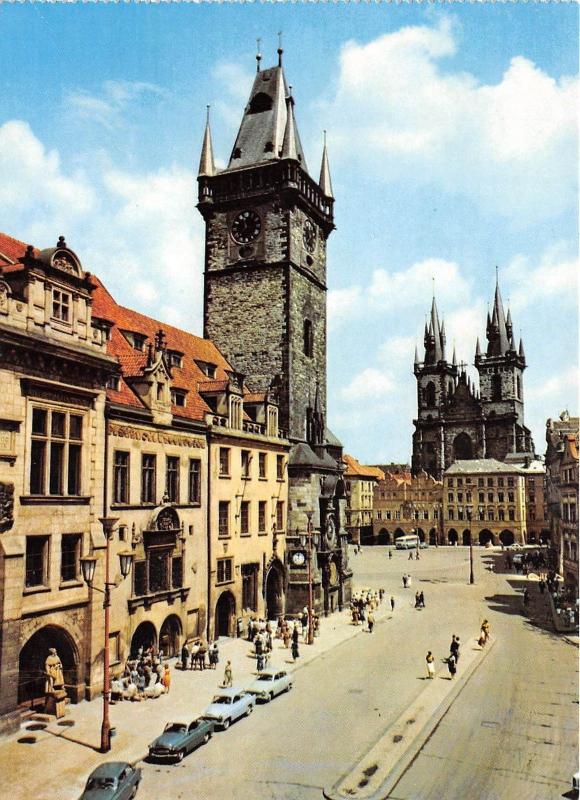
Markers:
point(452, 137)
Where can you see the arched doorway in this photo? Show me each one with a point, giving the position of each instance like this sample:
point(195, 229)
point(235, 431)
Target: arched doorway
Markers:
point(506, 538)
point(398, 533)
point(275, 591)
point(31, 678)
point(145, 636)
point(433, 536)
point(466, 538)
point(421, 534)
point(170, 636)
point(452, 536)
point(225, 612)
point(384, 536)
point(485, 536)
point(462, 447)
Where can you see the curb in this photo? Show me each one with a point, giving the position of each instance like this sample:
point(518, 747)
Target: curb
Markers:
point(410, 754)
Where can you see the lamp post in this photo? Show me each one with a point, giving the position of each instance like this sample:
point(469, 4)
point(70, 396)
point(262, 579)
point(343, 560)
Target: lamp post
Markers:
point(468, 511)
point(88, 566)
point(307, 540)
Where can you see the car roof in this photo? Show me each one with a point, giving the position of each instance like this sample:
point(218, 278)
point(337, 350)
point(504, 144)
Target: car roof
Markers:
point(271, 671)
point(229, 692)
point(179, 722)
point(110, 769)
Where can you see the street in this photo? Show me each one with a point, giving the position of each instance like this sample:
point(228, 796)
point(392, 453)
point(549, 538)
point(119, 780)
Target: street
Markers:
point(341, 703)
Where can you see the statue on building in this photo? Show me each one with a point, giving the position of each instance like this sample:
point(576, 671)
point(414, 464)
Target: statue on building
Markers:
point(54, 686)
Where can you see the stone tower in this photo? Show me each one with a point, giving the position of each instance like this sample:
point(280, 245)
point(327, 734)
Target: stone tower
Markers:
point(457, 421)
point(267, 224)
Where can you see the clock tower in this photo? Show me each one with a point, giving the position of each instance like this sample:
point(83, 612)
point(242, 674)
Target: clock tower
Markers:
point(267, 224)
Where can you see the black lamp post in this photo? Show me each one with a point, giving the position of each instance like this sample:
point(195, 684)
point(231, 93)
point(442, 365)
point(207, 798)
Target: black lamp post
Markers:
point(88, 566)
point(307, 540)
point(468, 511)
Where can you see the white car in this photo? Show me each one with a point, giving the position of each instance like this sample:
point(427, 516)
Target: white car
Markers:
point(270, 683)
point(229, 705)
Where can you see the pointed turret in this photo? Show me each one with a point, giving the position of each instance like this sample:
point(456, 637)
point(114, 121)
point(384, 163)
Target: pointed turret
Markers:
point(436, 332)
point(416, 362)
point(289, 146)
point(325, 182)
point(521, 348)
point(443, 341)
point(508, 325)
point(497, 334)
point(454, 359)
point(206, 162)
point(478, 348)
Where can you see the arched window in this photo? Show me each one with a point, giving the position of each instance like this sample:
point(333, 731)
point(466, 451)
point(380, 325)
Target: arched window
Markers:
point(496, 387)
point(260, 102)
point(462, 447)
point(430, 394)
point(308, 338)
point(518, 387)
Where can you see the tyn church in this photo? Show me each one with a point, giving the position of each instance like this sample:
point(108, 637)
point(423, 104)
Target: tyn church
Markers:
point(267, 223)
point(456, 420)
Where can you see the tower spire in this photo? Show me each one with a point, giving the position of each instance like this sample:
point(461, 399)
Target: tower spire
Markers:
point(325, 182)
point(280, 50)
point(436, 332)
point(289, 146)
point(258, 54)
point(206, 162)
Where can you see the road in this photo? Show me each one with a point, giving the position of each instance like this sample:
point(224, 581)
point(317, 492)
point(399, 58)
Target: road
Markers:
point(491, 739)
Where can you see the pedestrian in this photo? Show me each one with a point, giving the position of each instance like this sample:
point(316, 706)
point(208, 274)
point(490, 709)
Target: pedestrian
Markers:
point(452, 666)
point(194, 652)
point(184, 656)
point(355, 615)
point(410, 555)
point(417, 600)
point(542, 587)
point(201, 654)
point(422, 599)
point(430, 659)
point(295, 651)
point(371, 621)
point(286, 636)
point(381, 595)
point(454, 647)
point(166, 678)
point(392, 603)
point(526, 597)
point(228, 675)
point(390, 553)
point(405, 581)
point(485, 629)
point(259, 662)
point(481, 640)
point(214, 655)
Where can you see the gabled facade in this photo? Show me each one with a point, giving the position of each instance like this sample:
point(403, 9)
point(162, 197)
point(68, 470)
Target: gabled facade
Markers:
point(360, 482)
point(267, 224)
point(404, 504)
point(456, 420)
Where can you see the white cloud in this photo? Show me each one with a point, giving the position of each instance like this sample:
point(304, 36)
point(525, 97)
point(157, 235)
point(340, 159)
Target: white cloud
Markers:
point(509, 146)
point(557, 390)
point(107, 108)
point(554, 273)
point(370, 385)
point(137, 232)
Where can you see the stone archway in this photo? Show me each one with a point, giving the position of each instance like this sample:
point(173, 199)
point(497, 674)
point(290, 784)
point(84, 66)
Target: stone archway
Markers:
point(466, 537)
point(145, 636)
point(452, 536)
point(485, 536)
point(274, 593)
point(506, 538)
point(421, 534)
point(170, 636)
point(384, 536)
point(433, 536)
point(225, 612)
point(31, 677)
point(398, 533)
point(462, 447)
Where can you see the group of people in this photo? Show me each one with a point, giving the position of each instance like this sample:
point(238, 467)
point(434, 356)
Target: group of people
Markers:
point(411, 555)
point(198, 655)
point(363, 604)
point(529, 561)
point(419, 600)
point(407, 580)
point(146, 676)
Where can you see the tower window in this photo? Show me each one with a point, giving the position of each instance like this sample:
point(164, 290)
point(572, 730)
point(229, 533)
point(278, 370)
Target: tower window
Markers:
point(237, 152)
point(308, 338)
point(518, 387)
point(496, 387)
point(260, 102)
point(269, 147)
point(430, 394)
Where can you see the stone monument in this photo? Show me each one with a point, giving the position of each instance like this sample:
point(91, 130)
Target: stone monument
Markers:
point(55, 694)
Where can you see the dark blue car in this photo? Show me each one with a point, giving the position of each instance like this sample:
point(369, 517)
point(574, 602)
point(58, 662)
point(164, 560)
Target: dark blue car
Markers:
point(180, 738)
point(114, 780)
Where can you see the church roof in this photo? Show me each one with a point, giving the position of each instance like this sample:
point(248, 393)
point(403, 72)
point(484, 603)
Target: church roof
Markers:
point(482, 466)
point(261, 135)
point(354, 469)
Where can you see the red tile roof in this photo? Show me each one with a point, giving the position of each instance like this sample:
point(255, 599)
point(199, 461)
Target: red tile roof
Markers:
point(10, 251)
point(355, 469)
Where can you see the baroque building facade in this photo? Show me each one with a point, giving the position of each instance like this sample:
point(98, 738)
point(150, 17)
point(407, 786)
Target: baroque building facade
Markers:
point(360, 483)
point(455, 419)
point(267, 224)
point(407, 504)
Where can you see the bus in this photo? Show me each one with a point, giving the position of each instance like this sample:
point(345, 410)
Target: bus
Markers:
point(410, 542)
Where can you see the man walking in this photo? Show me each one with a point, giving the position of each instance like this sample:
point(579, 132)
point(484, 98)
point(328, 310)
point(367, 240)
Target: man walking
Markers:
point(184, 657)
point(228, 675)
point(392, 603)
point(430, 659)
point(371, 621)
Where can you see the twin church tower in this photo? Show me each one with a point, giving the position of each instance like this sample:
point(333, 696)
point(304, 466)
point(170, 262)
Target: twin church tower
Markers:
point(267, 223)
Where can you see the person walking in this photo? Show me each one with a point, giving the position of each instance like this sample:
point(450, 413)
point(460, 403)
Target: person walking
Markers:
point(417, 600)
point(485, 629)
point(422, 599)
point(454, 647)
point(228, 675)
point(430, 659)
point(295, 634)
point(194, 652)
point(452, 665)
point(184, 656)
point(295, 651)
point(371, 621)
point(526, 597)
point(166, 678)
point(410, 555)
point(214, 655)
point(286, 636)
point(405, 581)
point(392, 603)
point(390, 553)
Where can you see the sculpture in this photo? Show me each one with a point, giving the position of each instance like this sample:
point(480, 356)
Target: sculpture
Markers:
point(54, 685)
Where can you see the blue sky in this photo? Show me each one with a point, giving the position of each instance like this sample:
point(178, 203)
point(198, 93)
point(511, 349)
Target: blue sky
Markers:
point(452, 135)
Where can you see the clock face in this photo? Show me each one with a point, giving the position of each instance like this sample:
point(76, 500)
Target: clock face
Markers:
point(309, 236)
point(246, 227)
point(298, 558)
point(333, 574)
point(330, 533)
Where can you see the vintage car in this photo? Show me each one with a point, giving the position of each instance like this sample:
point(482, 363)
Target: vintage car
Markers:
point(180, 738)
point(113, 780)
point(229, 705)
point(269, 683)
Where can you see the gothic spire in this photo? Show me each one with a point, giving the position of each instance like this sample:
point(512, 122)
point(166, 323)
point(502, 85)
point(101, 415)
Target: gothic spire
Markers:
point(521, 350)
point(325, 182)
point(436, 331)
point(416, 361)
point(497, 333)
point(443, 340)
point(289, 147)
point(454, 359)
point(478, 347)
point(206, 162)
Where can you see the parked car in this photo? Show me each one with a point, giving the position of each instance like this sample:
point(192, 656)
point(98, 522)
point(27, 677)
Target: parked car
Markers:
point(269, 683)
point(180, 738)
point(228, 706)
point(113, 780)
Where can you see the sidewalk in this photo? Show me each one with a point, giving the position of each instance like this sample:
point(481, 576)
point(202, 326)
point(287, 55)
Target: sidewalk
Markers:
point(64, 752)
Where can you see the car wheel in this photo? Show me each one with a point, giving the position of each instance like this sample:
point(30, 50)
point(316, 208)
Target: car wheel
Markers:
point(270, 696)
point(206, 738)
point(134, 792)
point(180, 755)
point(249, 710)
point(289, 687)
point(226, 724)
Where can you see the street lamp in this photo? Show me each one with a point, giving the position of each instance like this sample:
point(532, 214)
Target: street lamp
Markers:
point(88, 566)
point(307, 540)
point(468, 511)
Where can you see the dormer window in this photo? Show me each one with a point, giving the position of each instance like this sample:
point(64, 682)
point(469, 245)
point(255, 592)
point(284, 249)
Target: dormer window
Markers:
point(114, 382)
point(61, 303)
point(136, 340)
point(179, 397)
point(207, 368)
point(175, 358)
